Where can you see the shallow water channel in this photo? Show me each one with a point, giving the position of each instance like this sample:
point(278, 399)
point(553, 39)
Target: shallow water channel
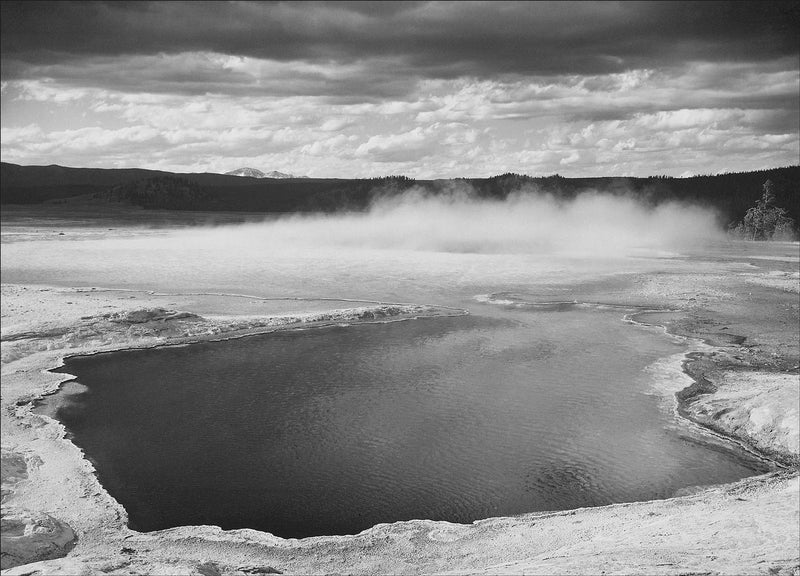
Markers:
point(332, 430)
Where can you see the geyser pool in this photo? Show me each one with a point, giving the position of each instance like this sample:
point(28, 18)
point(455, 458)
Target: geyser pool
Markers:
point(333, 430)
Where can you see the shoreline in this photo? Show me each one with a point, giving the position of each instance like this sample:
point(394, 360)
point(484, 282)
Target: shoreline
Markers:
point(699, 386)
point(709, 369)
point(90, 540)
point(702, 386)
point(757, 462)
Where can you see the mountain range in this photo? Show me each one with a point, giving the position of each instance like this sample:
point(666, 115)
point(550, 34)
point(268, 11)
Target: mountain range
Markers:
point(255, 173)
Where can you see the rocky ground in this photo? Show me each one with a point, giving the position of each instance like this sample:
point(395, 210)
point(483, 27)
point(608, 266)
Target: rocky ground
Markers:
point(57, 519)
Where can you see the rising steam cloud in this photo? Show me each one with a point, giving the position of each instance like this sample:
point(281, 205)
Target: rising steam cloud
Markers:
point(590, 224)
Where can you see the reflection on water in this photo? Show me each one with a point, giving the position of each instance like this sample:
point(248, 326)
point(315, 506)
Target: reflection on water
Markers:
point(331, 431)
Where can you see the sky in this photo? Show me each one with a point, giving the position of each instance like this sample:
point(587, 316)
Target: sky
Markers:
point(423, 89)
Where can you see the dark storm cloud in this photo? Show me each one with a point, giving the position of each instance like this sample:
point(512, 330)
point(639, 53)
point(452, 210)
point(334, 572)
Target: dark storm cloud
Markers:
point(196, 74)
point(430, 39)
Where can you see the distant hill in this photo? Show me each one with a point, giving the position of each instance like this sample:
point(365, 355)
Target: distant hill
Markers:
point(276, 174)
point(730, 194)
point(255, 173)
point(248, 172)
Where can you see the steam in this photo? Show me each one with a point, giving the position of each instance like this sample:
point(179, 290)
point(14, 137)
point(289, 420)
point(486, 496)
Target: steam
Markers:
point(525, 223)
point(413, 248)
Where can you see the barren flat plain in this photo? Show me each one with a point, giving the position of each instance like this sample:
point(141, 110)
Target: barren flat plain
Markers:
point(81, 286)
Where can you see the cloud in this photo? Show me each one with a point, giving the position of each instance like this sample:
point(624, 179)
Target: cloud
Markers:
point(451, 128)
point(425, 39)
point(203, 72)
point(403, 147)
point(429, 89)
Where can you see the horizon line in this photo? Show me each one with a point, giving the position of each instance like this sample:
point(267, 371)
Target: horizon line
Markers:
point(509, 173)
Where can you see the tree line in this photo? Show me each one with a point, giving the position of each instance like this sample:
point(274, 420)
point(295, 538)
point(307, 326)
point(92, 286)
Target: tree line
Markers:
point(732, 195)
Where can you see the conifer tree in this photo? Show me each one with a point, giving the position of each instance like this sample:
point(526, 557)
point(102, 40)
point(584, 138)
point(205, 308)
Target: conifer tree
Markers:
point(765, 221)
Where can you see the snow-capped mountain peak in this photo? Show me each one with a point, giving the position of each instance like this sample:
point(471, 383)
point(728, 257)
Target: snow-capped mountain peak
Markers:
point(253, 173)
point(249, 172)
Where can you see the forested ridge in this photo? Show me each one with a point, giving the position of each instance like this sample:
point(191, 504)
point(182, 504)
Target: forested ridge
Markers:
point(730, 194)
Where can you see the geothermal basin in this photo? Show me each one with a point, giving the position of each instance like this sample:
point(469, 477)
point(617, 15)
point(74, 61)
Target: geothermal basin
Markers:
point(293, 377)
point(515, 408)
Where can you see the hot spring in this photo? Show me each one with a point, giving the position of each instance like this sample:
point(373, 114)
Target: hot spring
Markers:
point(537, 399)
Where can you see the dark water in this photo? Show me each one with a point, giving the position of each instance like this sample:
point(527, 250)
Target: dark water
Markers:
point(330, 431)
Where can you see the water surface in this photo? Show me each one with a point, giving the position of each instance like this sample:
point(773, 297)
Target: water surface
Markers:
point(330, 431)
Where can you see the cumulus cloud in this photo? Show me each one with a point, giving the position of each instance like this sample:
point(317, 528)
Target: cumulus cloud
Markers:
point(410, 145)
point(345, 90)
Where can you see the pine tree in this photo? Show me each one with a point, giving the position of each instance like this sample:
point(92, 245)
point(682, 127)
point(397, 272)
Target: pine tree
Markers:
point(765, 221)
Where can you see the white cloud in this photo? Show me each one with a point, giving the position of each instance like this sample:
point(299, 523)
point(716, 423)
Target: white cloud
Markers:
point(636, 122)
point(20, 134)
point(48, 91)
point(399, 147)
point(335, 124)
point(573, 157)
